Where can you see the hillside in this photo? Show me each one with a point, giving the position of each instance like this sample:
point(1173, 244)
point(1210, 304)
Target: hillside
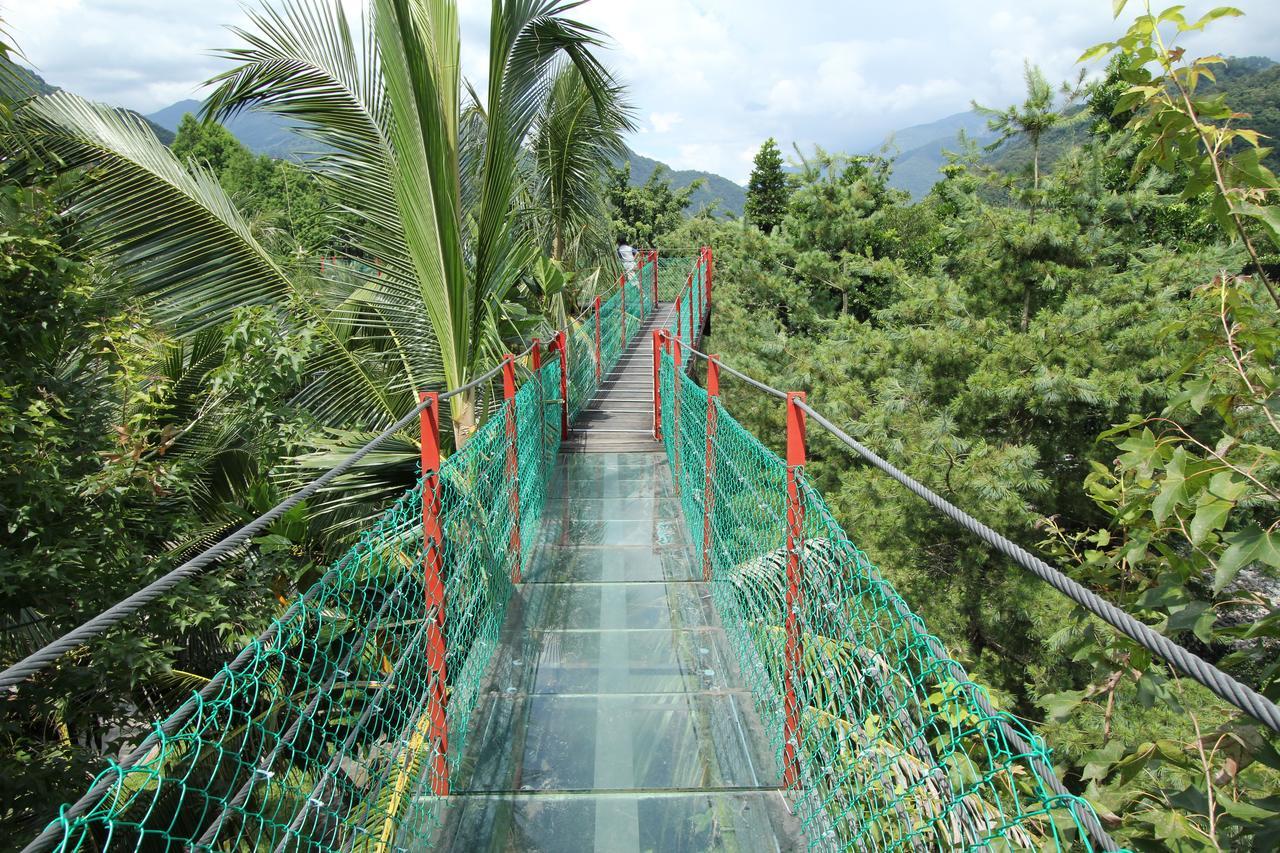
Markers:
point(32, 82)
point(1251, 84)
point(732, 198)
point(262, 133)
point(920, 149)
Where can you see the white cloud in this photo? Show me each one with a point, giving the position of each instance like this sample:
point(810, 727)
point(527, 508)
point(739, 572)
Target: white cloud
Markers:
point(663, 122)
point(714, 77)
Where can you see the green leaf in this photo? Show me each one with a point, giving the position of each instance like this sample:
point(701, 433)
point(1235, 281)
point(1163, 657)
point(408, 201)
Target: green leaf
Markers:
point(1209, 516)
point(1096, 51)
point(1117, 6)
point(1268, 217)
point(1174, 489)
point(1245, 546)
point(1060, 706)
point(1211, 16)
point(1228, 485)
point(1185, 618)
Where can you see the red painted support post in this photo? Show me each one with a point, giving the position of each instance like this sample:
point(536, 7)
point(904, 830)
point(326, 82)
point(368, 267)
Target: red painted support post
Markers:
point(711, 269)
point(657, 387)
point(708, 501)
point(794, 674)
point(563, 345)
point(597, 306)
point(693, 326)
point(655, 278)
point(433, 583)
point(513, 461)
point(679, 321)
point(542, 412)
point(676, 432)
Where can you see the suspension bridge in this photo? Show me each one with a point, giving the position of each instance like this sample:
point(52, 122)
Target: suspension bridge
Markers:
point(613, 620)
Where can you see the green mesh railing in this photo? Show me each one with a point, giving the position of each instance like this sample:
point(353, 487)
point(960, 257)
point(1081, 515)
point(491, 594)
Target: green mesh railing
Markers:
point(317, 736)
point(892, 749)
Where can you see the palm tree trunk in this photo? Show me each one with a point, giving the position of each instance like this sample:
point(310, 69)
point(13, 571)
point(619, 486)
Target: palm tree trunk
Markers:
point(557, 244)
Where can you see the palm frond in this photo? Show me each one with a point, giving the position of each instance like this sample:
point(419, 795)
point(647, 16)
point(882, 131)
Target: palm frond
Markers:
point(177, 235)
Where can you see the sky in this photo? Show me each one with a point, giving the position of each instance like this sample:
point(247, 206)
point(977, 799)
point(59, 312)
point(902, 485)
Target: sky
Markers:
point(710, 79)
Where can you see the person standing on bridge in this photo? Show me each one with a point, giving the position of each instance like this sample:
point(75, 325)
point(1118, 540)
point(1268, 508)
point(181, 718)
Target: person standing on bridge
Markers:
point(627, 255)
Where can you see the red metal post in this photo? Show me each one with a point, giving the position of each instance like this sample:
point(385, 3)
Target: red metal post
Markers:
point(563, 346)
point(513, 462)
point(657, 388)
point(597, 305)
point(708, 503)
point(655, 278)
point(676, 432)
point(794, 674)
point(711, 269)
point(693, 327)
point(679, 320)
point(542, 412)
point(433, 583)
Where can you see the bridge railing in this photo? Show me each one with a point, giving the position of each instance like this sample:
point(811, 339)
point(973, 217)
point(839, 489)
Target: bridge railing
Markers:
point(341, 725)
point(883, 740)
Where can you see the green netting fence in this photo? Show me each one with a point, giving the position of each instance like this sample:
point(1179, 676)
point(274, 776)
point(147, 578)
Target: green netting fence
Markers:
point(318, 736)
point(892, 750)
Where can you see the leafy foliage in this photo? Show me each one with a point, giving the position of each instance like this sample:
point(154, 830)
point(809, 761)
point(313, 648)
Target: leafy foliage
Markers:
point(644, 215)
point(767, 188)
point(1019, 330)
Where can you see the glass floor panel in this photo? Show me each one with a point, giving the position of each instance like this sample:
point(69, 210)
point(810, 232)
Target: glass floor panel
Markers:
point(596, 606)
point(671, 741)
point(612, 716)
point(555, 564)
point(755, 822)
point(639, 661)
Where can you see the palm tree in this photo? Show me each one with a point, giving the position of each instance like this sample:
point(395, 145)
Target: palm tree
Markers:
point(574, 135)
point(428, 178)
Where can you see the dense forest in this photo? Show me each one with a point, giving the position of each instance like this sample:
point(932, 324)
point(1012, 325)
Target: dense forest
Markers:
point(1077, 344)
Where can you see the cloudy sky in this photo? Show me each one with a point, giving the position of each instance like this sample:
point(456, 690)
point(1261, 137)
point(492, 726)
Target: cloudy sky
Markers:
point(710, 78)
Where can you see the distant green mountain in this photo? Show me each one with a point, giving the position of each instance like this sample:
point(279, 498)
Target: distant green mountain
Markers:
point(261, 133)
point(264, 133)
point(731, 197)
point(920, 148)
point(1251, 84)
point(32, 83)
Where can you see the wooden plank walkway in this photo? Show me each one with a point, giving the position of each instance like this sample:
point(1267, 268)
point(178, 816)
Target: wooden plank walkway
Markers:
point(619, 419)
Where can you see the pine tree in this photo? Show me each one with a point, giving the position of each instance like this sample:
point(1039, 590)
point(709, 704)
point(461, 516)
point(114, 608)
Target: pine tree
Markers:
point(767, 192)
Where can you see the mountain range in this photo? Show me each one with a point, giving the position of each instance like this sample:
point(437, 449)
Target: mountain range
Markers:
point(264, 133)
point(29, 83)
point(1252, 85)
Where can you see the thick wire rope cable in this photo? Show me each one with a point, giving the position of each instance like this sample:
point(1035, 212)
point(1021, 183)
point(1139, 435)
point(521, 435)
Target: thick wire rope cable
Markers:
point(122, 610)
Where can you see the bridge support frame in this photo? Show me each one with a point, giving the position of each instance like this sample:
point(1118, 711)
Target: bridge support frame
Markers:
point(708, 498)
point(513, 462)
point(675, 415)
point(562, 344)
point(655, 279)
point(794, 674)
point(658, 342)
point(597, 307)
point(433, 583)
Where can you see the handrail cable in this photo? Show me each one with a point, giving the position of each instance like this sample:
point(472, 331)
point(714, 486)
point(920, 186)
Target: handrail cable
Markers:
point(117, 613)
